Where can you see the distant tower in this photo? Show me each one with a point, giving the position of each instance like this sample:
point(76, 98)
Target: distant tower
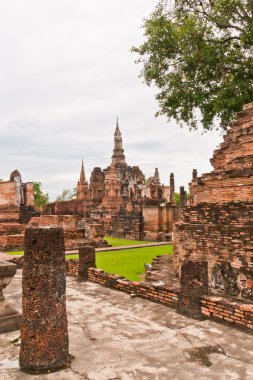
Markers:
point(82, 186)
point(118, 157)
point(172, 189)
point(157, 176)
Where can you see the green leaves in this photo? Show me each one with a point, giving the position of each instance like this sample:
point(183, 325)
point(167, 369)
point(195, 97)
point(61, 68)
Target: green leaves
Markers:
point(40, 198)
point(199, 56)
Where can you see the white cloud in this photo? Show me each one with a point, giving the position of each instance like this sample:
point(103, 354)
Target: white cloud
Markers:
point(66, 72)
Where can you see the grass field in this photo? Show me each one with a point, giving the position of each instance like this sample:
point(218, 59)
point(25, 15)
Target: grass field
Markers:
point(114, 242)
point(128, 262)
point(16, 253)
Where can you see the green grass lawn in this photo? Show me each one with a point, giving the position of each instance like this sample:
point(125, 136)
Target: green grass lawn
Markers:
point(16, 253)
point(128, 263)
point(115, 242)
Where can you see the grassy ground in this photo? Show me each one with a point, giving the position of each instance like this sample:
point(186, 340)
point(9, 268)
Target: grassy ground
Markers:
point(16, 253)
point(128, 263)
point(115, 242)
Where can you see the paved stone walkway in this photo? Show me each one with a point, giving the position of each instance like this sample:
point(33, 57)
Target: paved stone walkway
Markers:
point(4, 256)
point(115, 337)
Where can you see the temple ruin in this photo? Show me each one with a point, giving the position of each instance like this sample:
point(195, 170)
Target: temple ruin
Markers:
point(16, 209)
point(122, 200)
point(217, 226)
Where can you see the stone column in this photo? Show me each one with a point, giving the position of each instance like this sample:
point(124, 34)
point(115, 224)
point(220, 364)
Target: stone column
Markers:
point(194, 174)
point(172, 188)
point(182, 197)
point(44, 326)
point(185, 198)
point(193, 285)
point(87, 259)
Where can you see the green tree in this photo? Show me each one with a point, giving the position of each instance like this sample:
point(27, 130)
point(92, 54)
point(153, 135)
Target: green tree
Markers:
point(40, 198)
point(198, 53)
point(66, 195)
point(177, 198)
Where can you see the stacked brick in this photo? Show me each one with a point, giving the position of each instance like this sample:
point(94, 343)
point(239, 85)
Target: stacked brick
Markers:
point(236, 313)
point(152, 292)
point(16, 209)
point(167, 292)
point(127, 226)
point(232, 178)
point(218, 226)
point(72, 266)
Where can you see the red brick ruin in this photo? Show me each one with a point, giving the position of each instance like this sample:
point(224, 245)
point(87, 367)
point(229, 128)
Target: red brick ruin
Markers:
point(211, 271)
point(121, 201)
point(16, 209)
point(217, 226)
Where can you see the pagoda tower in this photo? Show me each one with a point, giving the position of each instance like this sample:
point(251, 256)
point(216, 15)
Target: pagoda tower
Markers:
point(118, 156)
point(82, 186)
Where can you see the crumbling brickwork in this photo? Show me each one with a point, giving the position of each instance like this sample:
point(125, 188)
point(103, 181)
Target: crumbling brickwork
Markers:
point(218, 226)
point(117, 194)
point(16, 209)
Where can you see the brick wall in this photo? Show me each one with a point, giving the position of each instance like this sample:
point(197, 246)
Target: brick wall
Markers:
point(156, 293)
point(72, 267)
point(9, 194)
point(222, 235)
point(222, 310)
point(126, 226)
point(218, 226)
point(11, 242)
point(234, 313)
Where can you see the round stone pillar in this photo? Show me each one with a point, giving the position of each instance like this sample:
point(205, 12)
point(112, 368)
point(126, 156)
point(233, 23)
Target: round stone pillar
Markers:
point(44, 326)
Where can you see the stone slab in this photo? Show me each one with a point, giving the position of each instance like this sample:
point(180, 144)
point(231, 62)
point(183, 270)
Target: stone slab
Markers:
point(113, 336)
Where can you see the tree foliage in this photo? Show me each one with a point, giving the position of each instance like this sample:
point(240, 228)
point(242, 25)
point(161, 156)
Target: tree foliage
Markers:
point(66, 195)
point(198, 53)
point(40, 198)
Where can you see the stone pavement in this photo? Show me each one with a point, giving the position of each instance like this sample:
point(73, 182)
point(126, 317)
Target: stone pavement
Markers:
point(115, 337)
point(4, 256)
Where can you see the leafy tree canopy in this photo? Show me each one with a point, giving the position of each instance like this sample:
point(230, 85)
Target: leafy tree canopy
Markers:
point(199, 55)
point(66, 195)
point(40, 198)
point(177, 198)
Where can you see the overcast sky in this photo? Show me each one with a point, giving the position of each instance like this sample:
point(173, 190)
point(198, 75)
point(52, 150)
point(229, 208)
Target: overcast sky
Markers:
point(66, 72)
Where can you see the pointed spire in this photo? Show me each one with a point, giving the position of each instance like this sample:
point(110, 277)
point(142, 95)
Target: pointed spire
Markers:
point(82, 174)
point(117, 130)
point(118, 152)
point(157, 176)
